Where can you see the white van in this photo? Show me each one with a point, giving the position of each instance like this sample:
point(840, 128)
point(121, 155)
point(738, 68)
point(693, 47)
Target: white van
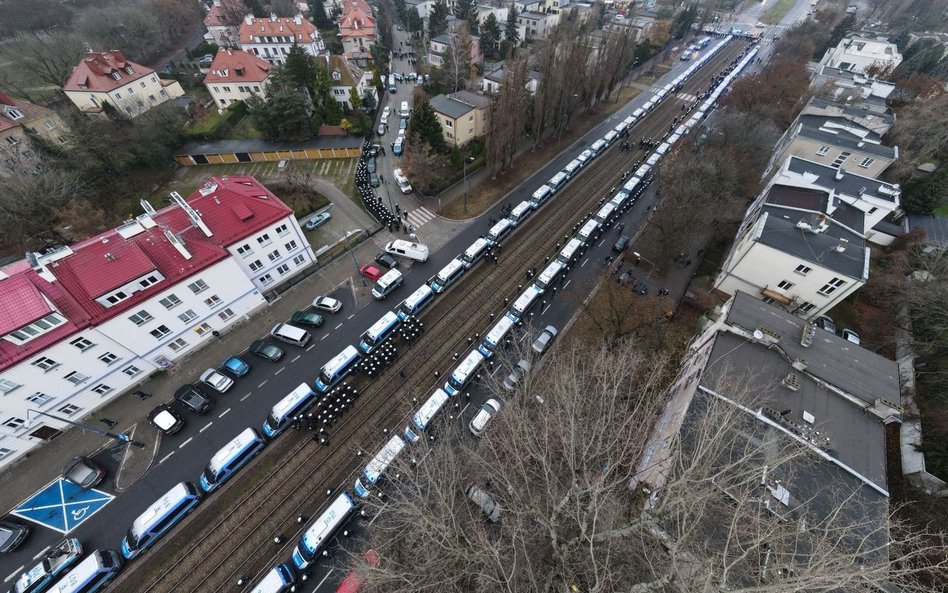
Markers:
point(499, 230)
point(402, 181)
point(519, 212)
point(557, 181)
point(290, 334)
point(407, 249)
point(540, 196)
point(403, 111)
point(588, 229)
point(572, 168)
point(597, 147)
point(386, 284)
point(569, 251)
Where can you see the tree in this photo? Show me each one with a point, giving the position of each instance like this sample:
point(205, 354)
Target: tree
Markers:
point(317, 11)
point(438, 19)
point(282, 116)
point(424, 127)
point(413, 20)
point(683, 20)
point(508, 117)
point(300, 68)
point(355, 100)
point(44, 57)
point(777, 93)
point(423, 165)
point(32, 202)
point(836, 35)
point(643, 51)
point(490, 35)
point(256, 8)
point(283, 8)
point(511, 32)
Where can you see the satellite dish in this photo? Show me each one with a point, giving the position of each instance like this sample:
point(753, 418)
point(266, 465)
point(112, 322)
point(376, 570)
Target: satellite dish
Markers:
point(758, 335)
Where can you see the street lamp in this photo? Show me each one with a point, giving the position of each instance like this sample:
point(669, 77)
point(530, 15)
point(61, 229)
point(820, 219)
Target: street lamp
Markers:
point(122, 438)
point(467, 159)
point(354, 260)
point(638, 257)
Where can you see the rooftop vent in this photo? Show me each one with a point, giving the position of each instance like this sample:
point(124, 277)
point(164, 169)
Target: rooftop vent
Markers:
point(809, 331)
point(800, 364)
point(791, 382)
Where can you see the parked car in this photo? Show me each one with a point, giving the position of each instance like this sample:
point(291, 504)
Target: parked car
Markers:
point(374, 180)
point(370, 164)
point(515, 378)
point(216, 380)
point(317, 221)
point(236, 366)
point(398, 147)
point(370, 272)
point(266, 350)
point(484, 501)
point(483, 416)
point(384, 259)
point(193, 399)
point(826, 322)
point(403, 124)
point(307, 318)
point(166, 419)
point(381, 129)
point(353, 581)
point(83, 472)
point(850, 335)
point(12, 535)
point(402, 181)
point(544, 340)
point(327, 304)
point(621, 244)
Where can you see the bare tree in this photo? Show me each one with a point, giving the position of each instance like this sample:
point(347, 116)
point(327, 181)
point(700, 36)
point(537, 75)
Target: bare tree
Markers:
point(31, 204)
point(43, 57)
point(283, 8)
point(508, 113)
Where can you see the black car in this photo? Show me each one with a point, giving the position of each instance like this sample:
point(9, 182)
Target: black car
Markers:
point(12, 535)
point(166, 419)
point(266, 351)
point(371, 164)
point(83, 472)
point(374, 180)
point(621, 244)
point(192, 398)
point(384, 259)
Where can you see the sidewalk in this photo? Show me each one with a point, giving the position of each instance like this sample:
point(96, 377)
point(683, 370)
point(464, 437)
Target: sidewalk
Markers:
point(42, 465)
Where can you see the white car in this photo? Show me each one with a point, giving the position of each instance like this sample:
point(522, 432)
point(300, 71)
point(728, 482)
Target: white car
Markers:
point(402, 181)
point(217, 380)
point(327, 304)
point(483, 416)
point(381, 130)
point(385, 113)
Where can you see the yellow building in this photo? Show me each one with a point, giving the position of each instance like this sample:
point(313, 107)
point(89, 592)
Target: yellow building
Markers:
point(463, 116)
point(109, 77)
point(19, 120)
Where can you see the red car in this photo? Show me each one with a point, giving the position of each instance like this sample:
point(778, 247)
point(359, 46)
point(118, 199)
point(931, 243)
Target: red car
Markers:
point(370, 272)
point(353, 581)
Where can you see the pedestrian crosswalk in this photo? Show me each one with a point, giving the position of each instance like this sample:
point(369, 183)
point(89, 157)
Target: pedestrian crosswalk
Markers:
point(419, 216)
point(682, 96)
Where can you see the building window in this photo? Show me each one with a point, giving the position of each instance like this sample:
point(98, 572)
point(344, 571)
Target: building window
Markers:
point(283, 269)
point(282, 229)
point(266, 279)
point(14, 422)
point(768, 300)
point(244, 250)
point(821, 151)
point(274, 255)
point(226, 314)
point(872, 210)
point(290, 246)
point(841, 159)
point(866, 163)
point(299, 259)
point(202, 329)
point(449, 123)
point(198, 286)
point(148, 281)
point(132, 370)
point(784, 285)
point(50, 126)
point(36, 329)
point(160, 332)
point(143, 84)
point(141, 318)
point(47, 364)
point(264, 239)
point(108, 358)
point(188, 316)
point(82, 344)
point(76, 378)
point(170, 302)
point(178, 345)
point(7, 386)
point(14, 114)
point(4, 453)
point(804, 270)
point(101, 389)
point(805, 307)
point(39, 398)
point(256, 265)
point(831, 286)
point(69, 409)
point(213, 301)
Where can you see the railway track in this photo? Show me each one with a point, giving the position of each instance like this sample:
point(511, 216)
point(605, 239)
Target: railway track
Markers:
point(292, 476)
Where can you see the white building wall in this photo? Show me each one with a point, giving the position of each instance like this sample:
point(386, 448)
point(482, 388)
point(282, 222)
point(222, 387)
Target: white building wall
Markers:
point(226, 94)
point(276, 53)
point(255, 258)
point(134, 98)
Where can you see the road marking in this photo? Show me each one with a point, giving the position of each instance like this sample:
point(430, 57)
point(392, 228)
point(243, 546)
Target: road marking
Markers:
point(41, 552)
point(262, 383)
point(208, 425)
point(372, 521)
point(295, 358)
point(584, 262)
point(165, 458)
point(311, 346)
point(338, 326)
point(283, 368)
point(567, 283)
point(545, 309)
point(320, 339)
point(497, 370)
point(601, 242)
point(248, 395)
point(464, 408)
point(17, 571)
point(350, 317)
point(182, 445)
point(324, 578)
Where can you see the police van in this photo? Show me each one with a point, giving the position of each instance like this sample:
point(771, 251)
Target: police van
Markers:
point(386, 284)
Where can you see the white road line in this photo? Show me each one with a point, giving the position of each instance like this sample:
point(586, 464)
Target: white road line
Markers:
point(182, 445)
point(283, 368)
point(262, 383)
point(320, 339)
point(464, 408)
point(324, 580)
point(295, 358)
point(41, 552)
point(375, 517)
point(165, 458)
point(545, 309)
point(584, 262)
point(338, 326)
point(14, 573)
point(350, 317)
point(601, 242)
point(246, 396)
point(208, 425)
point(567, 283)
point(311, 346)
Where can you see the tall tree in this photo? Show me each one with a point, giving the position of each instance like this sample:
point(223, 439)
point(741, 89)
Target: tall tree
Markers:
point(413, 20)
point(282, 116)
point(508, 117)
point(317, 11)
point(683, 20)
point(511, 33)
point(424, 127)
point(490, 35)
point(438, 19)
point(300, 68)
point(44, 57)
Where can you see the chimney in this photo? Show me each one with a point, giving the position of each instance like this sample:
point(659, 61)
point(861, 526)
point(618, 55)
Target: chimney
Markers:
point(248, 19)
point(298, 19)
point(273, 17)
point(839, 174)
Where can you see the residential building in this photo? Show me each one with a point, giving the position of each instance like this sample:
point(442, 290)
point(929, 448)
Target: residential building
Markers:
point(20, 121)
point(96, 318)
point(271, 38)
point(235, 76)
point(861, 54)
point(855, 110)
point(344, 76)
point(555, 6)
point(499, 12)
point(438, 49)
point(463, 116)
point(223, 22)
point(529, 5)
point(493, 81)
point(108, 77)
point(423, 7)
point(836, 141)
point(357, 30)
point(788, 382)
point(854, 89)
point(537, 24)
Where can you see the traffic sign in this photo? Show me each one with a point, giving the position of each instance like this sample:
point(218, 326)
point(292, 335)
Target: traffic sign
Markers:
point(62, 506)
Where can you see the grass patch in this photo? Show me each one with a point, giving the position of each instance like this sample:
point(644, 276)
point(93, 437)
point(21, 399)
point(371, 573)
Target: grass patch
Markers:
point(244, 130)
point(942, 210)
point(778, 11)
point(206, 125)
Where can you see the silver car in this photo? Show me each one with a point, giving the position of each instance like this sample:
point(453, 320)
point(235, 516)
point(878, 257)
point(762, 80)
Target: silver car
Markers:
point(516, 376)
point(483, 500)
point(482, 418)
point(217, 380)
point(544, 340)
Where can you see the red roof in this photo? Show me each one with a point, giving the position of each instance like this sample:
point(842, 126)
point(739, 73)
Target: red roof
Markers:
point(232, 208)
point(237, 66)
point(221, 14)
point(299, 28)
point(96, 72)
point(357, 20)
point(28, 110)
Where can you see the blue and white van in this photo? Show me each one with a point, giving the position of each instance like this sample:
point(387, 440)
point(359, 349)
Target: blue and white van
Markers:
point(160, 517)
point(280, 579)
point(448, 275)
point(230, 458)
point(92, 574)
point(319, 534)
point(519, 212)
point(375, 469)
point(415, 302)
point(494, 339)
point(422, 419)
point(337, 368)
point(500, 230)
point(464, 372)
point(283, 412)
point(540, 196)
point(475, 252)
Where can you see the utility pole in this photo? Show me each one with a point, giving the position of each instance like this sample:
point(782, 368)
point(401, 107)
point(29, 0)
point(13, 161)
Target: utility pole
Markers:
point(121, 437)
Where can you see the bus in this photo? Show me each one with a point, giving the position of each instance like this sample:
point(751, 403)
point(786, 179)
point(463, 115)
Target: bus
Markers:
point(474, 253)
point(283, 412)
point(280, 579)
point(548, 275)
point(321, 531)
point(425, 414)
point(495, 337)
point(373, 472)
point(569, 251)
point(379, 332)
point(92, 574)
point(164, 514)
point(415, 302)
point(232, 456)
point(464, 372)
point(336, 369)
point(524, 303)
point(448, 275)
